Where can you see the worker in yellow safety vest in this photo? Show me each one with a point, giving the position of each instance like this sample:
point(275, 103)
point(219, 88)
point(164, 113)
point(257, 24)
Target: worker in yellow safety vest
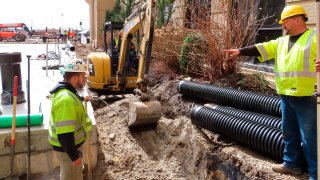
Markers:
point(295, 77)
point(69, 122)
point(117, 41)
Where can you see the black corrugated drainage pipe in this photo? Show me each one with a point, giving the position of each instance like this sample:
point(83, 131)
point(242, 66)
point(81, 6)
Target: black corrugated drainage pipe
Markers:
point(251, 116)
point(239, 99)
point(262, 138)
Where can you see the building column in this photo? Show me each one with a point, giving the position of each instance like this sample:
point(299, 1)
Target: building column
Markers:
point(91, 19)
point(101, 7)
point(97, 11)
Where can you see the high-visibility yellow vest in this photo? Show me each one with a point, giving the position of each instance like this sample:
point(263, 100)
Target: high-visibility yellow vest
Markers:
point(68, 115)
point(294, 70)
point(117, 42)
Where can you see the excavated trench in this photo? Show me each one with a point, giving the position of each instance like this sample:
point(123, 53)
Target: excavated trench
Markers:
point(176, 148)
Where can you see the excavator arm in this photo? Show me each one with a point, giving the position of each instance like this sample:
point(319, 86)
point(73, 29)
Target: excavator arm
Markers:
point(141, 22)
point(144, 109)
point(110, 70)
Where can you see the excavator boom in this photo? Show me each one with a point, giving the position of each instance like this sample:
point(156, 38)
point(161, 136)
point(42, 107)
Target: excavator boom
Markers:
point(140, 21)
point(112, 70)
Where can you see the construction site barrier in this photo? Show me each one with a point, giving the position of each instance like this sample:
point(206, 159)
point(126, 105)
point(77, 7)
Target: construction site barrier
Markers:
point(251, 116)
point(264, 139)
point(21, 120)
point(239, 99)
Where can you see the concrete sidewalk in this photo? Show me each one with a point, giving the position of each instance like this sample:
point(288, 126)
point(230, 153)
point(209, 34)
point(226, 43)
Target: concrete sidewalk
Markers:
point(42, 156)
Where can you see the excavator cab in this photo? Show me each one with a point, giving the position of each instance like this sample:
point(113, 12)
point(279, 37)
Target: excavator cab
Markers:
point(112, 43)
point(106, 68)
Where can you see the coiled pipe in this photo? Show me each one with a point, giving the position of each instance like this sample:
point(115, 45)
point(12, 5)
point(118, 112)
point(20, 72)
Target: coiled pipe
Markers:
point(262, 138)
point(251, 116)
point(239, 99)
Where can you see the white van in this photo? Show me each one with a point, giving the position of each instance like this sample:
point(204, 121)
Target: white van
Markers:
point(84, 36)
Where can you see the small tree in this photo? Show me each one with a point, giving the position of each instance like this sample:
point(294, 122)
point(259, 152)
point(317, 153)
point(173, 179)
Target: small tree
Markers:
point(209, 29)
point(164, 8)
point(120, 11)
point(115, 13)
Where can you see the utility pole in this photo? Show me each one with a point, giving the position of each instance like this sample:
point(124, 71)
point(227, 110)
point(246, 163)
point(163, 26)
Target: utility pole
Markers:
point(62, 23)
point(80, 25)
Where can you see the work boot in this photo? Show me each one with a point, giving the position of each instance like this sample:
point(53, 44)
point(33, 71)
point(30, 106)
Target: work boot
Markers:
point(280, 168)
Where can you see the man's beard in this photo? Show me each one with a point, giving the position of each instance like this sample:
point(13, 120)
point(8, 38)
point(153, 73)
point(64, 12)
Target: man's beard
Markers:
point(80, 85)
point(287, 32)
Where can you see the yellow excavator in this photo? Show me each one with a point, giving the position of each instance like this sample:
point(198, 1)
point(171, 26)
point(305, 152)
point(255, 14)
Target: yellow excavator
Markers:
point(113, 71)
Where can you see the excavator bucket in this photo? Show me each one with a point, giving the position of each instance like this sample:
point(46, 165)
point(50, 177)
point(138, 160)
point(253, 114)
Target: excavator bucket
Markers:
point(143, 113)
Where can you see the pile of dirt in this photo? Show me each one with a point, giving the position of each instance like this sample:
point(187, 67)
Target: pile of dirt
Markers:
point(175, 149)
point(171, 151)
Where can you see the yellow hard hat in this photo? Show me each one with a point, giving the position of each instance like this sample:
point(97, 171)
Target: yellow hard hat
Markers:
point(292, 10)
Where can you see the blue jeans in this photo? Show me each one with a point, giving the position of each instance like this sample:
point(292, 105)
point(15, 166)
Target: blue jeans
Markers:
point(299, 128)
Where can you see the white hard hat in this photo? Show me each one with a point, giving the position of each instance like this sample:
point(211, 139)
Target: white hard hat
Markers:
point(75, 65)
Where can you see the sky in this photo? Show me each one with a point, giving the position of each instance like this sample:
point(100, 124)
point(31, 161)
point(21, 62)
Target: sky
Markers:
point(46, 13)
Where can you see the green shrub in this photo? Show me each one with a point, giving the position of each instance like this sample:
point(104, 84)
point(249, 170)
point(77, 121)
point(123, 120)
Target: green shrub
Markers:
point(192, 54)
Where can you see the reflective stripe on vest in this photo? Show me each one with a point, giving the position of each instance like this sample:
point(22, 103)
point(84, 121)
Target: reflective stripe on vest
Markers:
point(306, 64)
point(60, 124)
point(281, 40)
point(263, 51)
point(66, 123)
point(79, 136)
